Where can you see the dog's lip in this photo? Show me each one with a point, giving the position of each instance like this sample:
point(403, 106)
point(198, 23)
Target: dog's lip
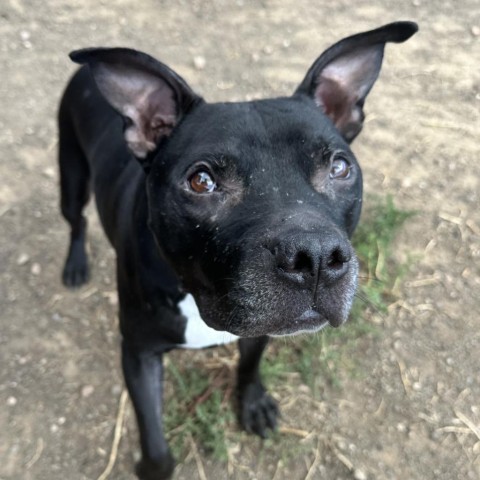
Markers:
point(309, 321)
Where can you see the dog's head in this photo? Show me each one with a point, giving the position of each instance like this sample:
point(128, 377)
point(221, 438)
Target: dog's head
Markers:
point(253, 203)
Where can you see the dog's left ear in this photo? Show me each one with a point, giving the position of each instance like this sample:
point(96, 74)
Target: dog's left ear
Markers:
point(341, 78)
point(150, 96)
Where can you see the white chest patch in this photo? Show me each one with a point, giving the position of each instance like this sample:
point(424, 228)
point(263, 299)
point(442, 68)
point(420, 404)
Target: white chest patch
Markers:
point(198, 334)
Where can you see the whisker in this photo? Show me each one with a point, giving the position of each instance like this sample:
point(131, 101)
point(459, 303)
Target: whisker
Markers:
point(370, 303)
point(368, 278)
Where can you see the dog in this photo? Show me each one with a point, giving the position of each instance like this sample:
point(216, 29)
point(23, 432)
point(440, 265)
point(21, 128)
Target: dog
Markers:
point(229, 220)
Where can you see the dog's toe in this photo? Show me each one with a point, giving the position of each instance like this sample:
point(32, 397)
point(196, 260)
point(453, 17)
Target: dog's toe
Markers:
point(259, 411)
point(76, 271)
point(75, 274)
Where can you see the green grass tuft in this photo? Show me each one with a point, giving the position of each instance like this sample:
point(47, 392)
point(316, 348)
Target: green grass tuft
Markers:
point(202, 413)
point(373, 243)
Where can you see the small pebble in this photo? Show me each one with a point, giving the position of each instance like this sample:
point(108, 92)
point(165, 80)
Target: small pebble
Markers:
point(54, 428)
point(475, 31)
point(102, 452)
point(11, 401)
point(22, 259)
point(62, 420)
point(87, 390)
point(49, 172)
point(112, 298)
point(401, 427)
point(199, 62)
point(359, 475)
point(36, 269)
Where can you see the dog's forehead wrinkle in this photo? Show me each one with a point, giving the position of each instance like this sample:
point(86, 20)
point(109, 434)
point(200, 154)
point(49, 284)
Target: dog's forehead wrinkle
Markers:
point(263, 120)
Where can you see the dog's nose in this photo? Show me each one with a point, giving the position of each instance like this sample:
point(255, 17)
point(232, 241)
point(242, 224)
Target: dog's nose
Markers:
point(312, 257)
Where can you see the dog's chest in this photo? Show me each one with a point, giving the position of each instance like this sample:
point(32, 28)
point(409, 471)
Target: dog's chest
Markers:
point(197, 333)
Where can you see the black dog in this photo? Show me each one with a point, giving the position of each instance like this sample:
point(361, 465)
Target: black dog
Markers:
point(233, 221)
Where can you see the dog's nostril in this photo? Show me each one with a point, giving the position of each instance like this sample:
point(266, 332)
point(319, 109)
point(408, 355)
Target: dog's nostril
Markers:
point(311, 258)
point(303, 263)
point(337, 259)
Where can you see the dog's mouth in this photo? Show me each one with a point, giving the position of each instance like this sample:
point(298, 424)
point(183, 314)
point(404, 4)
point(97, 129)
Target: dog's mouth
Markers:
point(309, 322)
point(262, 304)
point(279, 315)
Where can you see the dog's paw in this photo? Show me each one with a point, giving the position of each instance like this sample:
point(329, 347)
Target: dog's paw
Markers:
point(75, 275)
point(258, 410)
point(149, 470)
point(76, 271)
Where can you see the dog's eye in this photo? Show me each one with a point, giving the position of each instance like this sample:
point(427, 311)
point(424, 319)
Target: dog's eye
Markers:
point(340, 168)
point(202, 182)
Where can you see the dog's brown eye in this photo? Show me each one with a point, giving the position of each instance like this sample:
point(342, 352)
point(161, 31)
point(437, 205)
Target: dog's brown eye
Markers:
point(202, 182)
point(340, 169)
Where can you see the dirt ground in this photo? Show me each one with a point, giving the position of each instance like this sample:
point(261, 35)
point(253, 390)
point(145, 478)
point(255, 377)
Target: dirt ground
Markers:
point(415, 411)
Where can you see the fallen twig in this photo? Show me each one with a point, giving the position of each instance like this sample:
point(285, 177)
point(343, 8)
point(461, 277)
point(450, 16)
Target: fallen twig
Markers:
point(342, 457)
point(278, 469)
point(36, 455)
point(403, 376)
point(198, 460)
point(316, 462)
point(116, 436)
point(215, 383)
point(294, 431)
point(464, 419)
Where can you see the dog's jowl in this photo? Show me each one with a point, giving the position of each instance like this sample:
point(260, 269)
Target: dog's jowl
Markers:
point(229, 220)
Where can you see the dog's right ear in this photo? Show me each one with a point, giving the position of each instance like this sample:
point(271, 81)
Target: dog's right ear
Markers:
point(151, 97)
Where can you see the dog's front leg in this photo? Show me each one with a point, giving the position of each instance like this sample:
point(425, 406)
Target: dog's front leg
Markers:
point(143, 373)
point(258, 410)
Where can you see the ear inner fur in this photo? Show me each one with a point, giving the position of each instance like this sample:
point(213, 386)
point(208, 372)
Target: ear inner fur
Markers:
point(341, 78)
point(151, 96)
